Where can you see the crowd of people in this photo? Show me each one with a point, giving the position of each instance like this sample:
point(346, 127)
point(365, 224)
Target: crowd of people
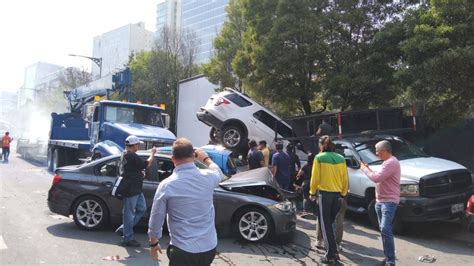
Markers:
point(186, 197)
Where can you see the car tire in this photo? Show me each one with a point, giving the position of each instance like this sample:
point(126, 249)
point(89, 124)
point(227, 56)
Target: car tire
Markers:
point(90, 213)
point(232, 137)
point(214, 135)
point(53, 159)
point(397, 225)
point(253, 225)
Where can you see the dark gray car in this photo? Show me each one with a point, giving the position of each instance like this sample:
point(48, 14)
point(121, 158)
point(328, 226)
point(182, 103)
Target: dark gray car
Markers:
point(249, 203)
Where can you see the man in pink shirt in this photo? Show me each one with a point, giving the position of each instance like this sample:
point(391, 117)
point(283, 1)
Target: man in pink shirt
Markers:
point(387, 194)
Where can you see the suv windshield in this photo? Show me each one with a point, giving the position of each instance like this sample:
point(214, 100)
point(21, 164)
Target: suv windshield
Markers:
point(127, 115)
point(400, 149)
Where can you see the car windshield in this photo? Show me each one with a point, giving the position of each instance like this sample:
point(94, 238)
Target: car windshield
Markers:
point(124, 114)
point(400, 149)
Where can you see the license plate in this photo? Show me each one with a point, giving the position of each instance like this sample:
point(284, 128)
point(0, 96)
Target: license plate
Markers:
point(457, 208)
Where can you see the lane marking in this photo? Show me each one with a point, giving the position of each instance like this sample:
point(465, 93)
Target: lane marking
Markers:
point(2, 243)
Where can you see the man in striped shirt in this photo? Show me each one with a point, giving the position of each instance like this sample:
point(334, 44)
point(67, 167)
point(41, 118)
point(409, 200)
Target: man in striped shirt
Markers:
point(329, 178)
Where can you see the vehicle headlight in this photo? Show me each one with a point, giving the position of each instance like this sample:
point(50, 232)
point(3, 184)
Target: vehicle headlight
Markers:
point(284, 206)
point(409, 190)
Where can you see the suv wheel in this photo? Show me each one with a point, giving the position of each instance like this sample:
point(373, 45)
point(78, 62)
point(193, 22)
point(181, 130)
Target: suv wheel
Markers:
point(214, 135)
point(232, 137)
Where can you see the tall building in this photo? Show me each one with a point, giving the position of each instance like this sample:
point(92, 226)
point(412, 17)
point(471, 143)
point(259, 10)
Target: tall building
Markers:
point(115, 47)
point(38, 78)
point(204, 17)
point(168, 13)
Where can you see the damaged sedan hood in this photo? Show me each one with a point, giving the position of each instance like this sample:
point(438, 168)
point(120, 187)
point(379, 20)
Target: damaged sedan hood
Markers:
point(255, 177)
point(252, 182)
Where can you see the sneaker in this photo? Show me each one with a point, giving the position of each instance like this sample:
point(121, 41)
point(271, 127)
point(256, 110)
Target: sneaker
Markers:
point(305, 215)
point(325, 260)
point(119, 231)
point(131, 243)
point(320, 245)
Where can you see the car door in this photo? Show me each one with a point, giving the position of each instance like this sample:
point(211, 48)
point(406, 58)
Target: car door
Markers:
point(107, 173)
point(151, 181)
point(263, 127)
point(353, 169)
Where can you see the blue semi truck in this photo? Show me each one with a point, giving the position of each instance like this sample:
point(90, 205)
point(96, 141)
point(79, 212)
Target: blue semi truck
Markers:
point(96, 127)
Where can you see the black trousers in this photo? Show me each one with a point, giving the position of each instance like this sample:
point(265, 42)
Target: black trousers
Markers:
point(179, 257)
point(329, 205)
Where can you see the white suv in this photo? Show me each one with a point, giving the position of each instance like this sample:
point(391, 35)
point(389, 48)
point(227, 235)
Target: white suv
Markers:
point(235, 118)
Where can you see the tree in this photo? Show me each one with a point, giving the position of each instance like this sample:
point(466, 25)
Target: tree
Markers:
point(227, 44)
point(438, 60)
point(156, 74)
point(180, 47)
point(358, 68)
point(155, 79)
point(305, 56)
point(283, 50)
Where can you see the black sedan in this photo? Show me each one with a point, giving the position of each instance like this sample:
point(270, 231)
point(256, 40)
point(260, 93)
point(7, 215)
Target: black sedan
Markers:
point(249, 203)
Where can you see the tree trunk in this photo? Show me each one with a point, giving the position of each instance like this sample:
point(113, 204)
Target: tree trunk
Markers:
point(305, 104)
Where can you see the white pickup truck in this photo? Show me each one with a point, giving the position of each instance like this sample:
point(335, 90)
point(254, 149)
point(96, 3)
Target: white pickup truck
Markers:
point(430, 188)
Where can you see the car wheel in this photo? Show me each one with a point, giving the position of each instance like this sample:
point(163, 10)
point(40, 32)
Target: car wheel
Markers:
point(373, 215)
point(55, 160)
point(50, 159)
point(90, 213)
point(232, 137)
point(397, 225)
point(214, 135)
point(254, 225)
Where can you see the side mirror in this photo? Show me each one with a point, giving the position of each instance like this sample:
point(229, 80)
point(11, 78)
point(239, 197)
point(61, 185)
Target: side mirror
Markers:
point(352, 162)
point(166, 120)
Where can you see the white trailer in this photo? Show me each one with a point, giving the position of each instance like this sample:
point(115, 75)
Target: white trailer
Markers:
point(193, 93)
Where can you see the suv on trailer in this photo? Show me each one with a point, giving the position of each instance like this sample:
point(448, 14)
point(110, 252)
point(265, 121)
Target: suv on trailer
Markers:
point(430, 188)
point(235, 118)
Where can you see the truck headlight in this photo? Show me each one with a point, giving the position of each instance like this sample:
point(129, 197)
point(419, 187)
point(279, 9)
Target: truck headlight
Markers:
point(284, 206)
point(409, 190)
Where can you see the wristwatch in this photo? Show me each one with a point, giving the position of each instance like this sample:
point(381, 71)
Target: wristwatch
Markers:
point(154, 245)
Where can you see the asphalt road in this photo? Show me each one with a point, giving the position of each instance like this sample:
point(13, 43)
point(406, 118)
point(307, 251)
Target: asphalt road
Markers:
point(31, 234)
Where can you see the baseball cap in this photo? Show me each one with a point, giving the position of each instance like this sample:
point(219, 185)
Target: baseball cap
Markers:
point(132, 140)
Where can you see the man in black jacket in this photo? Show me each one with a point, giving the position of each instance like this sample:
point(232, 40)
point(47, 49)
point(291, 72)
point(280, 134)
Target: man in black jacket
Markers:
point(134, 205)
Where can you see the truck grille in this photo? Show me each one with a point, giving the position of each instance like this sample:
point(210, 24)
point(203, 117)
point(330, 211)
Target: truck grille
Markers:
point(445, 183)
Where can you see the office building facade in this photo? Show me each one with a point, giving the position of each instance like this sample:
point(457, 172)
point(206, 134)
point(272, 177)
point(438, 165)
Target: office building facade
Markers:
point(204, 17)
point(116, 46)
point(38, 78)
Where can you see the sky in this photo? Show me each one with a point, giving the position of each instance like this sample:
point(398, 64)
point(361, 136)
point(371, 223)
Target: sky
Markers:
point(48, 30)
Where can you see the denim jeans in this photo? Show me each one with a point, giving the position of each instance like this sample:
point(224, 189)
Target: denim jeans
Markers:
point(133, 209)
point(385, 214)
point(5, 153)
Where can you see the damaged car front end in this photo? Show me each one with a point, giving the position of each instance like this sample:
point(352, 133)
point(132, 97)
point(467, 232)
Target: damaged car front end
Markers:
point(257, 206)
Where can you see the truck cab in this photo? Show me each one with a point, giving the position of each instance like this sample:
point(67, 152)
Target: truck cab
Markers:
point(111, 122)
point(101, 128)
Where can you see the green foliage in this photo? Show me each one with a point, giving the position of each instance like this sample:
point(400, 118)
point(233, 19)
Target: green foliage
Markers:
point(299, 57)
point(227, 44)
point(438, 64)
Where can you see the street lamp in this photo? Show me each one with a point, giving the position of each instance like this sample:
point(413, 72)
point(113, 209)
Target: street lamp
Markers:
point(97, 61)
